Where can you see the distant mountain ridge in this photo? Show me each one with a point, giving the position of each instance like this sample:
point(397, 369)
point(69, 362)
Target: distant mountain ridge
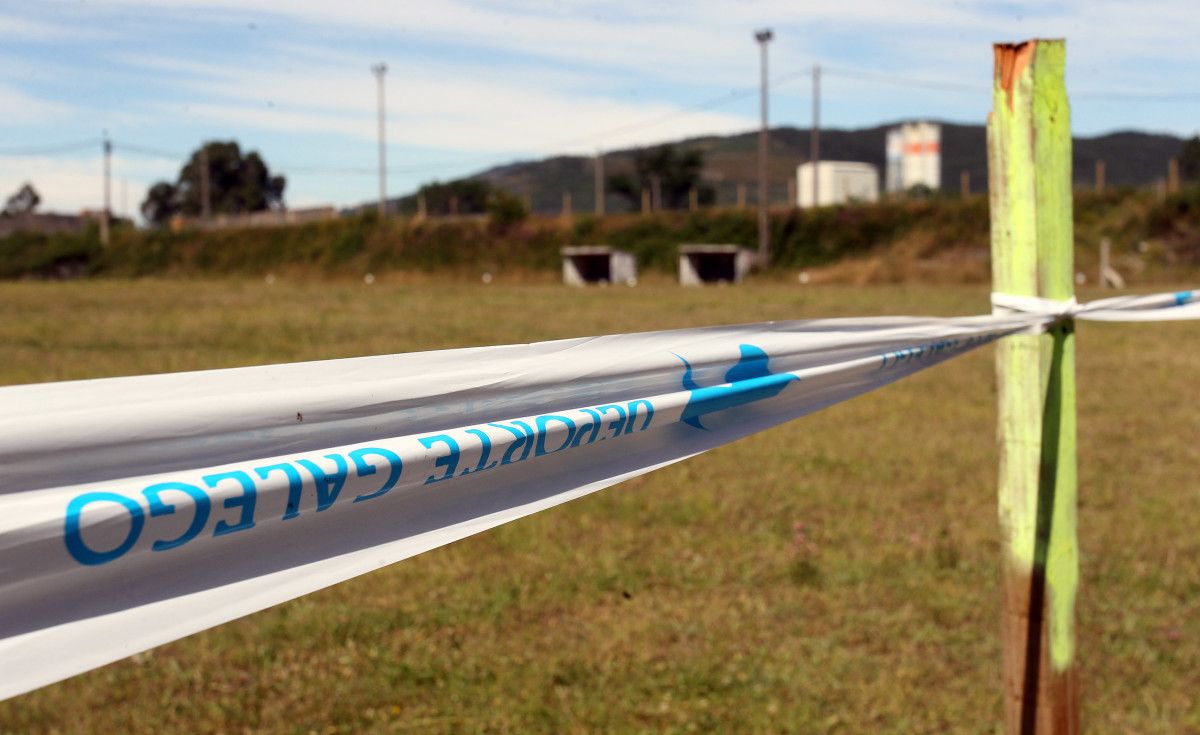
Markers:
point(1131, 158)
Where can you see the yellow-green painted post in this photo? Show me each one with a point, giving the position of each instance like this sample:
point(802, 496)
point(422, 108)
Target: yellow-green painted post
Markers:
point(1029, 182)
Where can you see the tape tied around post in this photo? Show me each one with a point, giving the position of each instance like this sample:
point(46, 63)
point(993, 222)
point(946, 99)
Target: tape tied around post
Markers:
point(1004, 304)
point(1171, 306)
point(1051, 311)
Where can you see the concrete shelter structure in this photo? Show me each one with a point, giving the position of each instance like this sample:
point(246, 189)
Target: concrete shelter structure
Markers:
point(704, 263)
point(585, 264)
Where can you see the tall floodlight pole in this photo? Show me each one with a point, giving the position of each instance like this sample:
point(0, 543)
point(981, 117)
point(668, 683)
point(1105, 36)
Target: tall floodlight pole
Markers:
point(106, 213)
point(764, 236)
point(814, 138)
point(379, 70)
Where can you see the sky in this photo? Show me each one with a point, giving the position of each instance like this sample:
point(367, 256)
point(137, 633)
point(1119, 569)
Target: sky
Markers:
point(475, 83)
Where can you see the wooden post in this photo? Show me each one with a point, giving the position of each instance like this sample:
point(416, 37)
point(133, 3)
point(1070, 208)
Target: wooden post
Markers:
point(1105, 254)
point(791, 192)
point(1173, 176)
point(566, 205)
point(421, 211)
point(1029, 170)
point(741, 195)
point(645, 200)
point(1109, 277)
point(693, 199)
point(964, 183)
point(1100, 176)
point(453, 205)
point(598, 170)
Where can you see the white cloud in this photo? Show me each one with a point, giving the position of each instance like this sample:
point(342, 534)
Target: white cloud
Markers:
point(708, 41)
point(20, 108)
point(70, 185)
point(24, 29)
point(447, 107)
point(479, 81)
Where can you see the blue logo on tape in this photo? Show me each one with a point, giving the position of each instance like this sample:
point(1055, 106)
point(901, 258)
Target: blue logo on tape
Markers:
point(748, 381)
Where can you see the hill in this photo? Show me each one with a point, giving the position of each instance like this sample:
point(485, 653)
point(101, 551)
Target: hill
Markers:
point(1132, 159)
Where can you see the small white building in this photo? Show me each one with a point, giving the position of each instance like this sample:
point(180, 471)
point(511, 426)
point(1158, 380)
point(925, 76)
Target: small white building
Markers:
point(701, 264)
point(838, 182)
point(584, 264)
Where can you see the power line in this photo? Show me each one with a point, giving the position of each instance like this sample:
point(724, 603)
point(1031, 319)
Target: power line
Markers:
point(954, 86)
point(45, 150)
point(1138, 96)
point(724, 99)
point(729, 97)
point(147, 150)
point(896, 79)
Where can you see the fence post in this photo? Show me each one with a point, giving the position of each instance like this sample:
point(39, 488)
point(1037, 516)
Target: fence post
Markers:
point(1029, 170)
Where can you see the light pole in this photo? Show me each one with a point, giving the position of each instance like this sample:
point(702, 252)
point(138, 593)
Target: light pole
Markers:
point(379, 70)
point(107, 211)
point(814, 137)
point(764, 238)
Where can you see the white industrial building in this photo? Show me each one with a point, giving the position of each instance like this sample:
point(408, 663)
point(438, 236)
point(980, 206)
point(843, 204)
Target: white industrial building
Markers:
point(837, 182)
point(914, 157)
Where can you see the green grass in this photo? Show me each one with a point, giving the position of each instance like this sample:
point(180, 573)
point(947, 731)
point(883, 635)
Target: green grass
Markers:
point(686, 600)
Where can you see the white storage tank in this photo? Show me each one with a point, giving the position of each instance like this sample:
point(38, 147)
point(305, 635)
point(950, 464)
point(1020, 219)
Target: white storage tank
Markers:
point(838, 182)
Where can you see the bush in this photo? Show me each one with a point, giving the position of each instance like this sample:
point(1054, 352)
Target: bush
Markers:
point(506, 210)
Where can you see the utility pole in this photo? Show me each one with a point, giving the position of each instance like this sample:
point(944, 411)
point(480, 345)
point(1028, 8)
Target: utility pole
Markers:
point(814, 138)
point(379, 70)
point(764, 236)
point(598, 168)
point(104, 215)
point(205, 184)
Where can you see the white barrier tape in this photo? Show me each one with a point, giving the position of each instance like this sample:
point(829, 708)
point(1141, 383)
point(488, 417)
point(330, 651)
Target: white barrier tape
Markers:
point(1155, 307)
point(135, 511)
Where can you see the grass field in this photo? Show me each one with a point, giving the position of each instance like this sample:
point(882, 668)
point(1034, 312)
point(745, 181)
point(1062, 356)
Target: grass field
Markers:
point(838, 574)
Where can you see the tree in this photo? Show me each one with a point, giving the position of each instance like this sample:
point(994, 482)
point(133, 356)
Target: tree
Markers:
point(237, 183)
point(161, 204)
point(470, 196)
point(25, 200)
point(1189, 159)
point(675, 173)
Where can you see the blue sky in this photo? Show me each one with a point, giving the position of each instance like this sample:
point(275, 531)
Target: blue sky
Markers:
point(473, 83)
